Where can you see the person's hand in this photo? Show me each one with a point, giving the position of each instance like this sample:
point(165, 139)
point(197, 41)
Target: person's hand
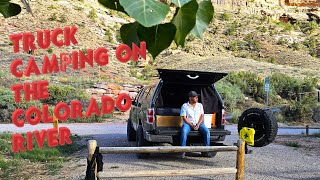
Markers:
point(196, 127)
point(193, 126)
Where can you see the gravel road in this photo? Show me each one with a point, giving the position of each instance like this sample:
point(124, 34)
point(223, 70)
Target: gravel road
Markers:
point(274, 161)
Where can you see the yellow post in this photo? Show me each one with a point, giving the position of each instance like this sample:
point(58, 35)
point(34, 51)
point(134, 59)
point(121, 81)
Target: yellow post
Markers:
point(55, 122)
point(240, 160)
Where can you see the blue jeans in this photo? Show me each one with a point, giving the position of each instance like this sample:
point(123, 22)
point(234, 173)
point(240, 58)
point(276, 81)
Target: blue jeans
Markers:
point(202, 129)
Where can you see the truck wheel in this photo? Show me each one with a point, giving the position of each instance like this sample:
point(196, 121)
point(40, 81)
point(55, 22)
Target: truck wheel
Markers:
point(131, 133)
point(140, 142)
point(264, 124)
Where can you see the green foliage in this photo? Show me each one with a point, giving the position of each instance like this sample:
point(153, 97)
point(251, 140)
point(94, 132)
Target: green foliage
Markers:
point(252, 42)
point(53, 17)
point(64, 93)
point(237, 45)
point(147, 12)
point(288, 87)
point(157, 38)
point(49, 50)
point(236, 113)
point(293, 144)
point(296, 46)
point(282, 41)
point(93, 14)
point(288, 27)
point(8, 9)
point(185, 20)
point(308, 27)
point(225, 16)
point(231, 94)
point(204, 16)
point(62, 19)
point(150, 15)
point(232, 29)
point(51, 158)
point(312, 44)
point(8, 105)
point(249, 83)
point(52, 7)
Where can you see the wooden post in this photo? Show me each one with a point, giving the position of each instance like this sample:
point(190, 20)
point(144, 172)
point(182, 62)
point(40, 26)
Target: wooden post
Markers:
point(240, 160)
point(307, 130)
point(92, 144)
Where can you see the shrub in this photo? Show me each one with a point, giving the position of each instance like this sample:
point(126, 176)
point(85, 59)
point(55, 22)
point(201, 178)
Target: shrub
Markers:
point(311, 44)
point(64, 93)
point(282, 41)
point(308, 27)
point(52, 17)
point(249, 83)
point(252, 43)
point(93, 14)
point(288, 27)
point(236, 113)
point(296, 46)
point(231, 94)
point(8, 104)
point(225, 17)
point(232, 29)
point(237, 45)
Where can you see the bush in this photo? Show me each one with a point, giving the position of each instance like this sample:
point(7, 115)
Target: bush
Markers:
point(236, 113)
point(64, 93)
point(252, 43)
point(232, 30)
point(231, 94)
point(288, 87)
point(300, 110)
point(308, 27)
point(237, 45)
point(288, 27)
point(249, 83)
point(8, 104)
point(225, 17)
point(282, 41)
point(311, 43)
point(93, 14)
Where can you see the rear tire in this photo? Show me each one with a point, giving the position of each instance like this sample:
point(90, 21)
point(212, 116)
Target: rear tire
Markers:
point(264, 124)
point(131, 133)
point(140, 142)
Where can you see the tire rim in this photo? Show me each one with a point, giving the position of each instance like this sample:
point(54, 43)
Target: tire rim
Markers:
point(253, 121)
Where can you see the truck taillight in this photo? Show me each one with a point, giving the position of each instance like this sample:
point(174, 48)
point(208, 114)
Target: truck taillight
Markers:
point(223, 120)
point(150, 116)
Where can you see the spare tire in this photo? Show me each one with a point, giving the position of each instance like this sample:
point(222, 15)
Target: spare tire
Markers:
point(263, 122)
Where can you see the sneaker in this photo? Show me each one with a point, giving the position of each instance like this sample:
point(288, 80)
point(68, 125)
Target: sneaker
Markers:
point(183, 155)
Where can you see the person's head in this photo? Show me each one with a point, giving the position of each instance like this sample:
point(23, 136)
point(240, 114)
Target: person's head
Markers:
point(193, 97)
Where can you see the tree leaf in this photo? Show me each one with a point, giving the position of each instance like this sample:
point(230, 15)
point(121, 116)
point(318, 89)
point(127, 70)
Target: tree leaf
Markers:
point(112, 4)
point(204, 17)
point(180, 3)
point(129, 34)
point(157, 38)
point(8, 9)
point(185, 20)
point(147, 12)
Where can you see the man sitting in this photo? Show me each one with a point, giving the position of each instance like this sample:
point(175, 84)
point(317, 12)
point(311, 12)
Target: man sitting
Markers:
point(192, 113)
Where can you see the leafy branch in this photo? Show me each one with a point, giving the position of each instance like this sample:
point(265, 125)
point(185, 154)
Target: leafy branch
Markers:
point(8, 9)
point(190, 16)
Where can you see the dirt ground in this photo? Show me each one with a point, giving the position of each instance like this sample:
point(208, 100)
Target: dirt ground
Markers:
point(309, 145)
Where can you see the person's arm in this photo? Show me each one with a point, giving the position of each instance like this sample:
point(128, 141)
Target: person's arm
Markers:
point(183, 113)
point(201, 117)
